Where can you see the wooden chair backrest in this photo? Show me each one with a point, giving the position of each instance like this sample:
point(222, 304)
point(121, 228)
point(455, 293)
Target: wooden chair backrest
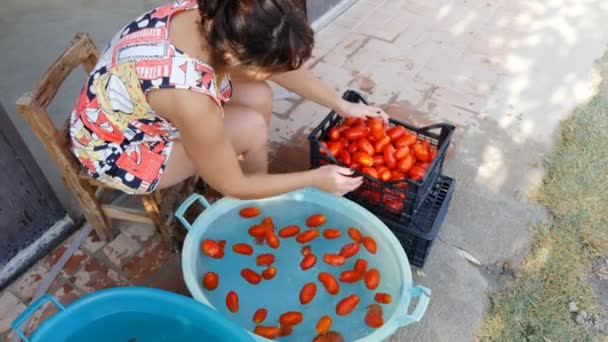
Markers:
point(33, 105)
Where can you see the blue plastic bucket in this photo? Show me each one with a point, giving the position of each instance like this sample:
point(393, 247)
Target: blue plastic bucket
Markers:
point(221, 221)
point(131, 314)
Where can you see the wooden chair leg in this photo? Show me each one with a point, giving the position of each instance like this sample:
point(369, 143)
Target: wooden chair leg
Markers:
point(152, 206)
point(92, 210)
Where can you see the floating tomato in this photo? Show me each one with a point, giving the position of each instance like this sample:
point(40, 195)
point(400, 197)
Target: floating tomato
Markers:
point(308, 293)
point(316, 220)
point(347, 305)
point(289, 231)
point(211, 280)
point(331, 233)
point(329, 282)
point(249, 212)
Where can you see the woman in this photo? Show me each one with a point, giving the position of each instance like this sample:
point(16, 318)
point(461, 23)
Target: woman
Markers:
point(181, 91)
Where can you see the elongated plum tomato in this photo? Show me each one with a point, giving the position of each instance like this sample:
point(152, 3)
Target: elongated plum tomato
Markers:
point(232, 301)
point(249, 212)
point(316, 220)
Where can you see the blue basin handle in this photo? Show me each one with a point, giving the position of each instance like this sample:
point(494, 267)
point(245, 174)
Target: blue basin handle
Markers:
point(25, 315)
point(424, 296)
point(187, 203)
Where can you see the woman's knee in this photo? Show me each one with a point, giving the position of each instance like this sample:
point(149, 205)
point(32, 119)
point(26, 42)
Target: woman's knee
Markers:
point(256, 95)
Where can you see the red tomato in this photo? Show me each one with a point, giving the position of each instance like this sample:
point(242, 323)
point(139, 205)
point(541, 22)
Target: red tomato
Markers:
point(406, 140)
point(289, 231)
point(242, 248)
point(349, 250)
point(212, 248)
point(383, 298)
point(376, 128)
point(396, 132)
point(393, 206)
point(232, 301)
point(323, 325)
point(351, 121)
point(329, 282)
point(249, 212)
point(334, 134)
point(350, 276)
point(211, 280)
point(416, 172)
point(259, 316)
point(425, 166)
point(344, 157)
point(385, 176)
point(422, 153)
point(381, 144)
point(286, 330)
point(402, 152)
point(356, 133)
point(370, 244)
point(354, 234)
point(389, 156)
point(332, 233)
point(370, 171)
point(365, 146)
point(268, 332)
point(291, 318)
point(361, 266)
point(272, 239)
point(334, 147)
point(372, 279)
point(363, 159)
point(381, 168)
point(406, 163)
point(433, 154)
point(378, 159)
point(347, 305)
point(308, 292)
point(374, 320)
point(306, 250)
point(334, 259)
point(307, 236)
point(269, 273)
point(352, 148)
point(251, 276)
point(316, 220)
point(308, 261)
point(265, 259)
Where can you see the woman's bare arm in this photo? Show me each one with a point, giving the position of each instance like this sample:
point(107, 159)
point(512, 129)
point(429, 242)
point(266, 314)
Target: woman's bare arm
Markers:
point(200, 122)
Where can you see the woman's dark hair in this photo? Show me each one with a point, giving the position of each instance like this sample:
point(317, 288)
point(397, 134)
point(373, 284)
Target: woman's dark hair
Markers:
point(273, 35)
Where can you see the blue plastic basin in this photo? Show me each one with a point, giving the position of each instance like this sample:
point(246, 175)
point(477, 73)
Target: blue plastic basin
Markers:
point(221, 221)
point(131, 314)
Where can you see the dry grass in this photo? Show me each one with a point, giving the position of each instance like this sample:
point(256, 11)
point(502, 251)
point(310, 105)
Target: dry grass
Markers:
point(575, 191)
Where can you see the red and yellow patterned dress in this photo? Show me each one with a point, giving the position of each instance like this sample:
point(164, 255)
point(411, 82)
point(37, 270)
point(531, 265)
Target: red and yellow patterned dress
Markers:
point(114, 132)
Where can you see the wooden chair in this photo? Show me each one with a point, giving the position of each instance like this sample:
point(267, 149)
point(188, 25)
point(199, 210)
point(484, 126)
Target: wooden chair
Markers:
point(91, 194)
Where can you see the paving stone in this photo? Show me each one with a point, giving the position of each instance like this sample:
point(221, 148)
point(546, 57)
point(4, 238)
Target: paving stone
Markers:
point(149, 260)
point(93, 243)
point(10, 308)
point(26, 285)
point(334, 76)
point(65, 293)
point(96, 275)
point(74, 262)
point(141, 232)
point(344, 49)
point(119, 250)
point(170, 277)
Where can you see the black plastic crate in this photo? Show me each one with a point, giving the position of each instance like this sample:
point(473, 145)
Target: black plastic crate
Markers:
point(417, 237)
point(392, 200)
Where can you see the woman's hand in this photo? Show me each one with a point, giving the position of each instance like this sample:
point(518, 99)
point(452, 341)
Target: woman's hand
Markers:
point(336, 179)
point(360, 110)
